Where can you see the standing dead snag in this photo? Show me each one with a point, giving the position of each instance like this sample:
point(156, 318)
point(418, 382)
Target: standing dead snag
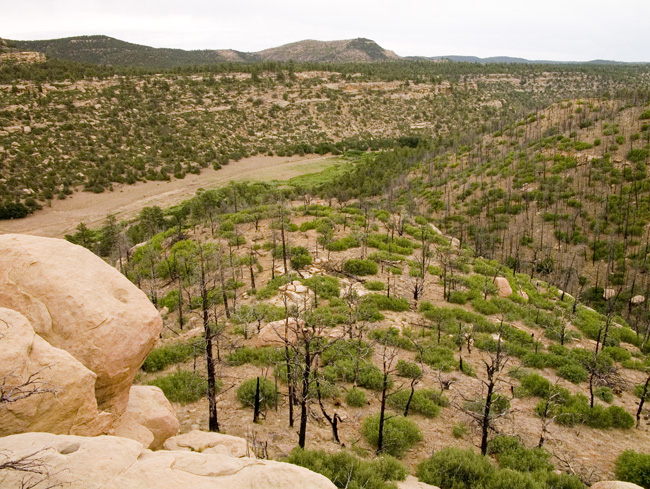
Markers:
point(422, 261)
point(643, 392)
point(332, 420)
point(485, 411)
point(388, 358)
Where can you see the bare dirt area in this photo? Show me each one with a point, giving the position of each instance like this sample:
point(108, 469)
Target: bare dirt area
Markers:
point(125, 201)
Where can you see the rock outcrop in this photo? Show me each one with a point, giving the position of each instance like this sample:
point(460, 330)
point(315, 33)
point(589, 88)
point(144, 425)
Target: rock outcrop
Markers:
point(615, 485)
point(203, 442)
point(149, 417)
point(106, 461)
point(609, 293)
point(277, 333)
point(78, 303)
point(65, 399)
point(503, 287)
point(412, 483)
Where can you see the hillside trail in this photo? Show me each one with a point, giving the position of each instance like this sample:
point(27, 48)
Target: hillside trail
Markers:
point(125, 201)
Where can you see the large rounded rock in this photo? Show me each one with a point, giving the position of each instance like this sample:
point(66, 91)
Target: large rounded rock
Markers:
point(80, 304)
point(278, 333)
point(44, 388)
point(149, 417)
point(615, 485)
point(412, 483)
point(503, 287)
point(106, 461)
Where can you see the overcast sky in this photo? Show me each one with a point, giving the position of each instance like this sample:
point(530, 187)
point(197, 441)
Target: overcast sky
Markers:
point(560, 30)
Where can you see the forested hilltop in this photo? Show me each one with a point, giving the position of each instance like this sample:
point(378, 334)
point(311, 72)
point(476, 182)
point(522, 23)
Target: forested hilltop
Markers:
point(66, 125)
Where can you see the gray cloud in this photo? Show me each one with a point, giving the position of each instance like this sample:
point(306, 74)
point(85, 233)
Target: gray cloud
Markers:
point(554, 29)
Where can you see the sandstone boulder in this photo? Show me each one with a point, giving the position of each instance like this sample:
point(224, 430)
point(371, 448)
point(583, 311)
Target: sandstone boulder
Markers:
point(412, 483)
point(609, 293)
point(204, 442)
point(296, 294)
point(80, 304)
point(66, 402)
point(503, 287)
point(637, 299)
point(149, 417)
point(106, 461)
point(615, 485)
point(277, 332)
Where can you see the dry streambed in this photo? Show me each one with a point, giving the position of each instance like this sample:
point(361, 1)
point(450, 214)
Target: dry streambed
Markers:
point(125, 201)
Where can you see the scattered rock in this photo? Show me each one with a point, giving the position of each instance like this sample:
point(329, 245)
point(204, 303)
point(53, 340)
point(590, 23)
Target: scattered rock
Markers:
point(164, 311)
point(148, 409)
point(277, 332)
point(609, 293)
point(27, 130)
point(296, 294)
point(204, 442)
point(503, 286)
point(637, 299)
point(108, 461)
point(78, 303)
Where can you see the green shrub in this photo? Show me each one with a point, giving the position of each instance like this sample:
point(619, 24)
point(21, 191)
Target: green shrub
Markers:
point(457, 297)
point(535, 385)
point(371, 377)
point(347, 471)
point(383, 303)
point(400, 433)
point(633, 467)
point(260, 357)
point(160, 358)
point(392, 337)
point(361, 267)
point(620, 418)
point(511, 479)
point(604, 394)
point(325, 287)
point(375, 285)
point(573, 373)
point(356, 398)
point(183, 386)
point(511, 454)
point(246, 392)
point(170, 301)
point(426, 402)
point(439, 357)
point(459, 430)
point(485, 307)
point(272, 286)
point(551, 480)
point(455, 468)
point(617, 353)
point(299, 262)
point(410, 370)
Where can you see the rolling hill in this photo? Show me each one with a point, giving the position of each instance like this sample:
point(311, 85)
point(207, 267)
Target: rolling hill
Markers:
point(106, 50)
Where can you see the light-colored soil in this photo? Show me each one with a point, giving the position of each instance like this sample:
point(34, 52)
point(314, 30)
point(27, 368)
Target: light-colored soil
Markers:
point(125, 201)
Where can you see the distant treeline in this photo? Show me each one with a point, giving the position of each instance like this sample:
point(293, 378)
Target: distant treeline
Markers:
point(421, 70)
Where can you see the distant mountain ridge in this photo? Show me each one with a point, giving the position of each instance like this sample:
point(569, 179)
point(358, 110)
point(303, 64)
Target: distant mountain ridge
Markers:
point(105, 50)
point(110, 51)
point(506, 59)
